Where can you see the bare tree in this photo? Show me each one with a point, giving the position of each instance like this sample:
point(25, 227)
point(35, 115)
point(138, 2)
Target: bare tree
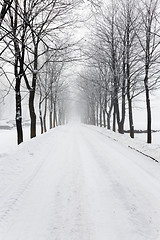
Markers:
point(149, 41)
point(48, 87)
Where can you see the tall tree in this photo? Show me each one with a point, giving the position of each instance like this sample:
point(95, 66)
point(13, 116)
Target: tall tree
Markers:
point(149, 40)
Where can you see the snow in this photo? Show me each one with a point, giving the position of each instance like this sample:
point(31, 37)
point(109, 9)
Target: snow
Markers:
point(143, 137)
point(138, 144)
point(8, 140)
point(79, 182)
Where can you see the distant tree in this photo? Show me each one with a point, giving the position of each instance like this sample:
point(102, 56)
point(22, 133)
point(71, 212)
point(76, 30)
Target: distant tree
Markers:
point(48, 86)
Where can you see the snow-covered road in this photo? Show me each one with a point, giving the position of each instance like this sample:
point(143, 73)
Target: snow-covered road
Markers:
point(75, 183)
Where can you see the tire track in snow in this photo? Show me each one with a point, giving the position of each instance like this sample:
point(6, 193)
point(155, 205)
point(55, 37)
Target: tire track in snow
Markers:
point(8, 206)
point(127, 189)
point(84, 191)
point(70, 218)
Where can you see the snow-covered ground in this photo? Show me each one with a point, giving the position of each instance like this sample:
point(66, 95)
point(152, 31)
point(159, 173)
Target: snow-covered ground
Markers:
point(138, 144)
point(8, 137)
point(79, 182)
point(143, 137)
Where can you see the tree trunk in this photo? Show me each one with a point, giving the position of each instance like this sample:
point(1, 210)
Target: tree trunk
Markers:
point(131, 125)
point(56, 119)
point(97, 120)
point(147, 65)
point(114, 120)
point(108, 121)
point(32, 95)
point(50, 119)
point(100, 116)
point(54, 115)
point(92, 114)
point(18, 113)
point(51, 107)
point(121, 128)
point(149, 129)
point(149, 119)
point(104, 119)
point(44, 116)
point(40, 116)
point(116, 104)
point(121, 124)
point(32, 114)
point(18, 76)
point(109, 115)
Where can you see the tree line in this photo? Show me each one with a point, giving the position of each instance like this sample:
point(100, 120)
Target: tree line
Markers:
point(121, 62)
point(35, 48)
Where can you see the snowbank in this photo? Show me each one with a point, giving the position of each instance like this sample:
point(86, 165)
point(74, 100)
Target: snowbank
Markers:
point(149, 150)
